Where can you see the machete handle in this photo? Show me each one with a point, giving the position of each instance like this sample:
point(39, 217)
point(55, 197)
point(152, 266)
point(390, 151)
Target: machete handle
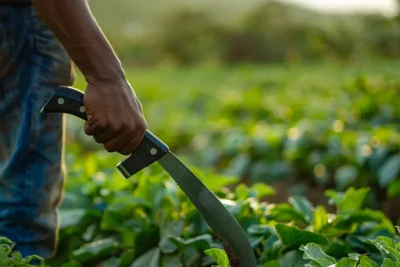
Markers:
point(70, 100)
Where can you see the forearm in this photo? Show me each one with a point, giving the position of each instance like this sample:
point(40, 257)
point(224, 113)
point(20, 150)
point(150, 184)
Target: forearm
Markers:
point(73, 24)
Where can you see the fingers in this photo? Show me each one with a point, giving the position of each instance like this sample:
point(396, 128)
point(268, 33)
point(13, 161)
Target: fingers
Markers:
point(114, 119)
point(104, 137)
point(131, 146)
point(122, 139)
point(115, 144)
point(94, 128)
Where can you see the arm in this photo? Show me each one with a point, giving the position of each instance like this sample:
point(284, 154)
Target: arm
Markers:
point(73, 24)
point(114, 114)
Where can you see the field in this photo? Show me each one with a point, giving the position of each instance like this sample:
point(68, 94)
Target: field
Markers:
point(306, 157)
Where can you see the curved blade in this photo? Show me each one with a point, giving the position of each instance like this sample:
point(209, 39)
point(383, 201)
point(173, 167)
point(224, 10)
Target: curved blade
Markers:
point(227, 229)
point(151, 149)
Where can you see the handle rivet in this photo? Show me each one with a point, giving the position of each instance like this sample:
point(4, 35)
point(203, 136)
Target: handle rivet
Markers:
point(153, 151)
point(82, 109)
point(60, 101)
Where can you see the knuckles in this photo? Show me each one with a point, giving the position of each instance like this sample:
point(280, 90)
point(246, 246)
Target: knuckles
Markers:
point(125, 152)
point(110, 148)
point(123, 130)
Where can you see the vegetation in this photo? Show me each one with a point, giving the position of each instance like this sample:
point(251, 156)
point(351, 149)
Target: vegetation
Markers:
point(302, 155)
point(193, 32)
point(301, 128)
point(304, 151)
point(147, 221)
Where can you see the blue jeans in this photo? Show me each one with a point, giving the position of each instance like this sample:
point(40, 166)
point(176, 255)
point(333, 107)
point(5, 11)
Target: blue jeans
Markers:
point(32, 65)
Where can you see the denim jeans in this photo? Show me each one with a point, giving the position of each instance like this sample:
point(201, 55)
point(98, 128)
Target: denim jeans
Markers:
point(32, 65)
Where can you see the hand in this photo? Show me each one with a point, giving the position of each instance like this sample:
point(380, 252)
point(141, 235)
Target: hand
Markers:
point(114, 116)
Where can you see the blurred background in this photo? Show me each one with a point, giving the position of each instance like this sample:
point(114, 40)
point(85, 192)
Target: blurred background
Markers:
point(301, 95)
point(188, 32)
point(272, 99)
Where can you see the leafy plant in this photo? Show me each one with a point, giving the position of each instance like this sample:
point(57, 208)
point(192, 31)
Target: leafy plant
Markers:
point(148, 219)
point(388, 248)
point(219, 256)
point(300, 127)
point(307, 128)
point(11, 258)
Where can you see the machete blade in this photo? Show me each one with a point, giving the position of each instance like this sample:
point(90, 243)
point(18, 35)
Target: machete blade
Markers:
point(225, 226)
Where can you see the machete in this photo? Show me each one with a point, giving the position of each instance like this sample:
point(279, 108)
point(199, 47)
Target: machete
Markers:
point(151, 149)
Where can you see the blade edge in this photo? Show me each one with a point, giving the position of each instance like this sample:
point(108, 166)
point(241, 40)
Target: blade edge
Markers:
point(223, 223)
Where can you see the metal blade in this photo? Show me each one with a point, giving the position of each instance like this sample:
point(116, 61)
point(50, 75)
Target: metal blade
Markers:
point(227, 229)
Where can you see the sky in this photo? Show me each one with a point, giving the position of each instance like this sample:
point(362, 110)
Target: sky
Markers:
point(387, 7)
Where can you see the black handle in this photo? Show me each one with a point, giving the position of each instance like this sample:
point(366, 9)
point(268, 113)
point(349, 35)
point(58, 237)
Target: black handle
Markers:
point(70, 100)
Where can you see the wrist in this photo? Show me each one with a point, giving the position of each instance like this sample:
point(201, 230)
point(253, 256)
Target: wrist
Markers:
point(99, 63)
point(106, 78)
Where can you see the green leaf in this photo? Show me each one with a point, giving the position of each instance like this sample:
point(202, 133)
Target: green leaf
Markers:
point(71, 264)
point(293, 237)
point(113, 261)
point(389, 171)
point(171, 229)
point(95, 249)
point(388, 263)
point(219, 256)
point(191, 256)
point(272, 247)
point(149, 259)
point(367, 262)
point(386, 246)
point(255, 241)
point(273, 263)
point(146, 239)
point(312, 264)
point(320, 218)
point(346, 220)
point(260, 230)
point(17, 256)
point(262, 190)
point(394, 189)
point(33, 257)
point(354, 256)
point(177, 241)
point(70, 218)
point(345, 176)
point(242, 192)
point(129, 201)
point(171, 260)
point(338, 248)
point(127, 258)
point(314, 253)
point(293, 259)
point(199, 243)
point(352, 200)
point(213, 180)
point(5, 240)
point(304, 206)
point(285, 213)
point(347, 262)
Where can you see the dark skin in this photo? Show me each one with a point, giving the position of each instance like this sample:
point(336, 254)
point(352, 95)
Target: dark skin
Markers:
point(114, 113)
